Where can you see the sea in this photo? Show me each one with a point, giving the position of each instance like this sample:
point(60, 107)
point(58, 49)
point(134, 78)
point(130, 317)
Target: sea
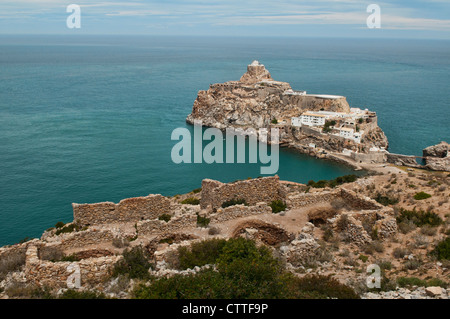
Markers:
point(86, 119)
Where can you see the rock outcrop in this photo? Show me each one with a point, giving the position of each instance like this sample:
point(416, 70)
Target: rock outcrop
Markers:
point(437, 157)
point(258, 101)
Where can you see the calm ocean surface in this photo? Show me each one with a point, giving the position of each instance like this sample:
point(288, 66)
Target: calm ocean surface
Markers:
point(89, 119)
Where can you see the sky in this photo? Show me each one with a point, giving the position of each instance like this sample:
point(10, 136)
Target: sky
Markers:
point(262, 18)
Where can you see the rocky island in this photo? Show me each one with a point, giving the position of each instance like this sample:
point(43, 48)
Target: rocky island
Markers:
point(317, 124)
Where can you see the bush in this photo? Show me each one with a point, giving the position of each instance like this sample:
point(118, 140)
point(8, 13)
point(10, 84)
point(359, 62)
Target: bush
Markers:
point(421, 195)
point(12, 262)
point(277, 206)
point(232, 202)
point(191, 201)
point(400, 252)
point(197, 190)
point(68, 229)
point(385, 200)
point(323, 287)
point(442, 250)
point(22, 290)
point(413, 281)
point(59, 225)
point(274, 121)
point(419, 218)
point(243, 271)
point(135, 264)
point(75, 294)
point(202, 221)
point(165, 217)
point(200, 253)
point(333, 183)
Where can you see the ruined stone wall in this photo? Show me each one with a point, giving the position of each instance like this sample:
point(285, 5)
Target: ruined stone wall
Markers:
point(359, 202)
point(56, 274)
point(238, 211)
point(302, 200)
point(128, 210)
point(266, 189)
point(155, 227)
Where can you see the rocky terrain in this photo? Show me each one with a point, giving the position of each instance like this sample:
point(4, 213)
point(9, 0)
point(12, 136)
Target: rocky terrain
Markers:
point(395, 220)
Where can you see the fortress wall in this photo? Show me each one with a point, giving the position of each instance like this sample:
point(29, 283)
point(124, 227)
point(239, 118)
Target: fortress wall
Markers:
point(265, 189)
point(238, 211)
point(92, 271)
point(128, 210)
point(307, 199)
point(155, 227)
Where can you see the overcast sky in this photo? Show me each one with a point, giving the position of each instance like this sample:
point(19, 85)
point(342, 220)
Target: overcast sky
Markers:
point(319, 18)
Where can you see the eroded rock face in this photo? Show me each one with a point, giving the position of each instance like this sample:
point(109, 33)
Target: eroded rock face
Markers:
point(437, 157)
point(440, 150)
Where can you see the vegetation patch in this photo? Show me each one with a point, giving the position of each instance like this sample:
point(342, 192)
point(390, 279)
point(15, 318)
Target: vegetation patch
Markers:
point(243, 271)
point(386, 200)
point(442, 250)
point(419, 218)
point(191, 201)
point(135, 264)
point(277, 206)
point(165, 217)
point(333, 183)
point(421, 195)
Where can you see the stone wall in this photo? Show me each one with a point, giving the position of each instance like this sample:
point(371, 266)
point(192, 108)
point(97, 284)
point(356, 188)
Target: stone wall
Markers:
point(307, 199)
point(155, 227)
point(92, 271)
point(83, 238)
point(265, 189)
point(128, 210)
point(238, 211)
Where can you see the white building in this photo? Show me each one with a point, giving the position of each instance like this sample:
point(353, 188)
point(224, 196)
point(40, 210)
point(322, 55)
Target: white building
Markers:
point(346, 132)
point(312, 119)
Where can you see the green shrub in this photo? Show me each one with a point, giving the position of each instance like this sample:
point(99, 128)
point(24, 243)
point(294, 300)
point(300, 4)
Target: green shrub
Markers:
point(363, 258)
point(421, 195)
point(323, 287)
point(202, 221)
point(68, 229)
point(413, 281)
point(385, 200)
point(442, 250)
point(232, 202)
point(165, 217)
point(197, 190)
point(419, 218)
point(243, 271)
point(191, 201)
point(274, 121)
point(75, 294)
point(135, 264)
point(277, 206)
point(333, 183)
point(59, 225)
point(200, 253)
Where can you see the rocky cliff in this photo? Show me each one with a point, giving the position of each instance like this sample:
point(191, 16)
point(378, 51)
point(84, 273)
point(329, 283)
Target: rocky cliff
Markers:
point(257, 101)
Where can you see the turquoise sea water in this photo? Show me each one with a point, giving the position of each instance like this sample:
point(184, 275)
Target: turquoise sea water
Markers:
point(89, 119)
